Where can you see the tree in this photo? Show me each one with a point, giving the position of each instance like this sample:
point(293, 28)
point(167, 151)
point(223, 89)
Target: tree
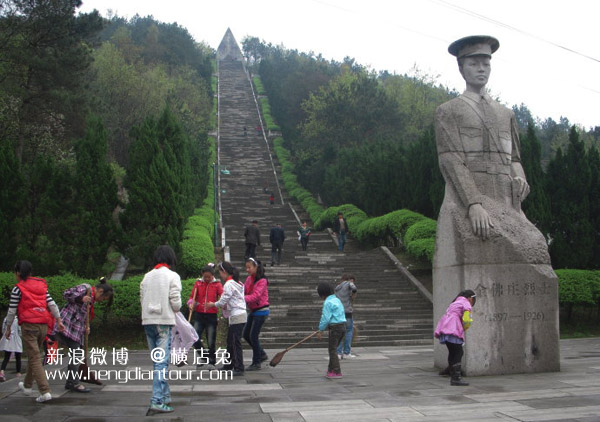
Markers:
point(523, 117)
point(594, 198)
point(151, 215)
point(11, 203)
point(425, 185)
point(95, 199)
point(352, 109)
point(417, 97)
point(568, 186)
point(45, 52)
point(159, 185)
point(125, 95)
point(537, 205)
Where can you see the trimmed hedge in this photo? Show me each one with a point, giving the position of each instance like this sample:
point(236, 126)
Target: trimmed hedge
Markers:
point(266, 111)
point(260, 89)
point(264, 105)
point(304, 197)
point(579, 287)
point(353, 215)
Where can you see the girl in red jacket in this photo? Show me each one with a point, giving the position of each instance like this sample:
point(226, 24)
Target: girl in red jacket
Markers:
point(206, 290)
point(257, 298)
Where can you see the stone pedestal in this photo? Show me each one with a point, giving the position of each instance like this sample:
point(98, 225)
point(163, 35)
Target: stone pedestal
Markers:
point(515, 319)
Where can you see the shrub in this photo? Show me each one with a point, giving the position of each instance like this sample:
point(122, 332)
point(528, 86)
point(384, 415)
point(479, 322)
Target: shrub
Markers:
point(196, 251)
point(308, 202)
point(422, 229)
point(422, 248)
point(579, 287)
point(353, 215)
point(260, 89)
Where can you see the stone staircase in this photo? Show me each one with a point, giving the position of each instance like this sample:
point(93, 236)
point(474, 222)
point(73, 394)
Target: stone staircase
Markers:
point(388, 310)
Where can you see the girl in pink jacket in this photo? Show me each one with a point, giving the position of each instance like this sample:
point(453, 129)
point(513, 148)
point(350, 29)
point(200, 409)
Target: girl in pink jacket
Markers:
point(450, 331)
point(257, 298)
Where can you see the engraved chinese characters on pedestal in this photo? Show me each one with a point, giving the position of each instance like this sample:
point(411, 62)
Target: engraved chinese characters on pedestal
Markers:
point(484, 241)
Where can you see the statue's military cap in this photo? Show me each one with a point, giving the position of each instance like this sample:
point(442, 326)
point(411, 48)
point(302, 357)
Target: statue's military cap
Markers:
point(474, 45)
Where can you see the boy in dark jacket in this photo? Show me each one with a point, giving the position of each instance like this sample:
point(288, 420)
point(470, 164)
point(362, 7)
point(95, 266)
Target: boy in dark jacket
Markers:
point(252, 236)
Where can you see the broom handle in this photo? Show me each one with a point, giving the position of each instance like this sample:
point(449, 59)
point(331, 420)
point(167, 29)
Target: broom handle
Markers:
point(192, 307)
point(87, 325)
point(303, 340)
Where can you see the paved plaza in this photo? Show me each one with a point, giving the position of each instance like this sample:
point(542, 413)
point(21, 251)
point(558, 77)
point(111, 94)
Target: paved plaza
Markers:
point(382, 384)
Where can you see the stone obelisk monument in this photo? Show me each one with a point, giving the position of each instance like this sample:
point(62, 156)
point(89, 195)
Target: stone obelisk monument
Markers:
point(484, 241)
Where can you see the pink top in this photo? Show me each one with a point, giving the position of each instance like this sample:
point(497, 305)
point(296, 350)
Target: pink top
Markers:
point(256, 293)
point(451, 322)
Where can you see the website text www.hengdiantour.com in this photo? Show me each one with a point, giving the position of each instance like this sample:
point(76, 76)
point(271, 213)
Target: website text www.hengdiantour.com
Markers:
point(120, 357)
point(123, 376)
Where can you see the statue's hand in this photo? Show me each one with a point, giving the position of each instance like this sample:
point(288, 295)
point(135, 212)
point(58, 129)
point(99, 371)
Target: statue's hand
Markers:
point(480, 221)
point(523, 187)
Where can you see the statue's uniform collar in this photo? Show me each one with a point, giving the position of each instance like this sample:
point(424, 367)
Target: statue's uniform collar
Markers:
point(477, 97)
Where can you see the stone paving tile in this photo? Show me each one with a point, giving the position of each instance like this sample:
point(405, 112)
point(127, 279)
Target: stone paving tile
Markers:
point(562, 402)
point(555, 414)
point(454, 411)
point(518, 395)
point(286, 417)
point(342, 415)
point(325, 405)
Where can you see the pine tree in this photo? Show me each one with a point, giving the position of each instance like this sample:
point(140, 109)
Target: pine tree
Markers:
point(11, 203)
point(569, 186)
point(537, 204)
point(154, 212)
point(176, 149)
point(94, 201)
point(594, 197)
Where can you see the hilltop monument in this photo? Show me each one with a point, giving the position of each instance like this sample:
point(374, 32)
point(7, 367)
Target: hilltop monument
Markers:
point(484, 241)
point(229, 48)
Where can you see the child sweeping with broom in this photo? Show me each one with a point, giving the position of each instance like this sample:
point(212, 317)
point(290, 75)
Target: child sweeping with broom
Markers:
point(332, 317)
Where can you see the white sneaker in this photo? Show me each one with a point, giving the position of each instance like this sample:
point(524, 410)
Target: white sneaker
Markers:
point(27, 391)
point(44, 397)
point(340, 356)
point(349, 355)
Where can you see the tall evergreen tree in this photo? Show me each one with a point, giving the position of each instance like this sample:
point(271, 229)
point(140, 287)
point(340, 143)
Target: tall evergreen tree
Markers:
point(45, 52)
point(594, 195)
point(176, 148)
point(94, 201)
point(537, 204)
point(425, 184)
point(154, 212)
point(568, 186)
point(11, 203)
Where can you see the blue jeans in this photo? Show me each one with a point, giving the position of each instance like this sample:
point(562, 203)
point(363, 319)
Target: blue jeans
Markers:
point(251, 333)
point(341, 240)
point(159, 336)
point(348, 339)
point(208, 322)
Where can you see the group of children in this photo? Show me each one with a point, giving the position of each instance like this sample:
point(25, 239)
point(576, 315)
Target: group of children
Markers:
point(233, 297)
point(33, 316)
point(336, 317)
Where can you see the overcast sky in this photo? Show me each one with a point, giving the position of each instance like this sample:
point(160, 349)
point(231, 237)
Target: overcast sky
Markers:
point(549, 56)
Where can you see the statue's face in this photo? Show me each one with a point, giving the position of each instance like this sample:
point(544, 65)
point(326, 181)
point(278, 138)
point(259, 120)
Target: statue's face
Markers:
point(476, 70)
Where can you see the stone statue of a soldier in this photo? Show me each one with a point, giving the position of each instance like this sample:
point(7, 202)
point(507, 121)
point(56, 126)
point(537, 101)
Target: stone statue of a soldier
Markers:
point(484, 241)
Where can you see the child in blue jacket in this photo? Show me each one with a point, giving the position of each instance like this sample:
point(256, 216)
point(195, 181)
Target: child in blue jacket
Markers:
point(332, 317)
